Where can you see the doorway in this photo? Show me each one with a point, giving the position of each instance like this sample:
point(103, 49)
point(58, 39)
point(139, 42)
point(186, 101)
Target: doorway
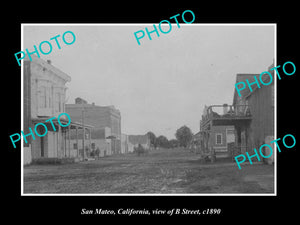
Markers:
point(42, 147)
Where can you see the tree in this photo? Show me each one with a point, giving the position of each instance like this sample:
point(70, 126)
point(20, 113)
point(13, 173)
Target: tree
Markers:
point(184, 136)
point(152, 138)
point(162, 141)
point(173, 143)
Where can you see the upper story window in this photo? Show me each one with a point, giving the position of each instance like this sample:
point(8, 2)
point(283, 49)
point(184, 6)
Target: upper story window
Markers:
point(57, 103)
point(42, 97)
point(247, 110)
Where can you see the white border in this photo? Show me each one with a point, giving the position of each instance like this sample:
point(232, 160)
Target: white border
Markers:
point(275, 109)
point(22, 123)
point(146, 24)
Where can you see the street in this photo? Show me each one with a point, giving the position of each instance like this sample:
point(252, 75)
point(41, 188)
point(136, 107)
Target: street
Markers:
point(163, 171)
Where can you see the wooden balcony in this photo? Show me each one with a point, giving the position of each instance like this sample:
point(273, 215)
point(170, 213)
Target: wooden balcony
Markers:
point(218, 115)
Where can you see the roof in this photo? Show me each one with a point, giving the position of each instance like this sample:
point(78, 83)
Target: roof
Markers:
point(198, 133)
point(242, 78)
point(48, 66)
point(138, 139)
point(86, 106)
point(265, 79)
point(62, 121)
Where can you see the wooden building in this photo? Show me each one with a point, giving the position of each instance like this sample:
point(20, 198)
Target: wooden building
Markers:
point(261, 104)
point(221, 125)
point(251, 115)
point(44, 92)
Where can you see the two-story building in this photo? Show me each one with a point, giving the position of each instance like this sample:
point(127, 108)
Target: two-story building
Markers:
point(260, 101)
point(44, 93)
point(250, 118)
point(218, 130)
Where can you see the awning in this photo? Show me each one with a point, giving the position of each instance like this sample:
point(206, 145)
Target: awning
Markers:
point(63, 121)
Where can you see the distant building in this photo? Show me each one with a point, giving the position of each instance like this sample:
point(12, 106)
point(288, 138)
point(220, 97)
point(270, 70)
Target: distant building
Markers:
point(44, 98)
point(135, 140)
point(96, 140)
point(106, 122)
point(124, 144)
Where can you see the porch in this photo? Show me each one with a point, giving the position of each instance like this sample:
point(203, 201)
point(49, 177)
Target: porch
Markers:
point(238, 116)
point(55, 146)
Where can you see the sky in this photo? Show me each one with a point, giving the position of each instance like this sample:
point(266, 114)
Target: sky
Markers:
point(164, 83)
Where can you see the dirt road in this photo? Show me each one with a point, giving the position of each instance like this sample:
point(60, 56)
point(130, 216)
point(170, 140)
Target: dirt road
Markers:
point(159, 172)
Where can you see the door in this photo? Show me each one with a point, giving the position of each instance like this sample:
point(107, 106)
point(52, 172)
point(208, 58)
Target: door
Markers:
point(42, 130)
point(51, 144)
point(243, 141)
point(42, 147)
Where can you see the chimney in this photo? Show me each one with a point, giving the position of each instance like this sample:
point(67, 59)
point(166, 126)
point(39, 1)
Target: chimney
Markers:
point(93, 103)
point(49, 61)
point(225, 109)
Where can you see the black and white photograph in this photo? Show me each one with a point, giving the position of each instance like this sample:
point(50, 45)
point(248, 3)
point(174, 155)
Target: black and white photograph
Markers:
point(131, 112)
point(149, 109)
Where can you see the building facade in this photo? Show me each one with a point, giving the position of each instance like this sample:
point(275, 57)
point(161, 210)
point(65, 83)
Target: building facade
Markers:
point(106, 122)
point(135, 140)
point(251, 115)
point(44, 92)
point(261, 104)
point(216, 133)
point(124, 144)
point(95, 142)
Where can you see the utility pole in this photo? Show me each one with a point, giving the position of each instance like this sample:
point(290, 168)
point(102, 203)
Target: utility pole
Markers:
point(83, 137)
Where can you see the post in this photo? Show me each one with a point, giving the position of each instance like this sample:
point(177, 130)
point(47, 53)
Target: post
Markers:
point(65, 145)
point(83, 137)
point(58, 144)
point(69, 136)
point(77, 142)
point(90, 137)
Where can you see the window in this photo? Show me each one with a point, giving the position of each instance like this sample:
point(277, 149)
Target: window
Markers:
point(75, 146)
point(247, 110)
point(218, 139)
point(50, 104)
point(57, 102)
point(42, 97)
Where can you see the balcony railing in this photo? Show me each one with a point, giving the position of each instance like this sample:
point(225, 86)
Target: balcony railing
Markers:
point(225, 111)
